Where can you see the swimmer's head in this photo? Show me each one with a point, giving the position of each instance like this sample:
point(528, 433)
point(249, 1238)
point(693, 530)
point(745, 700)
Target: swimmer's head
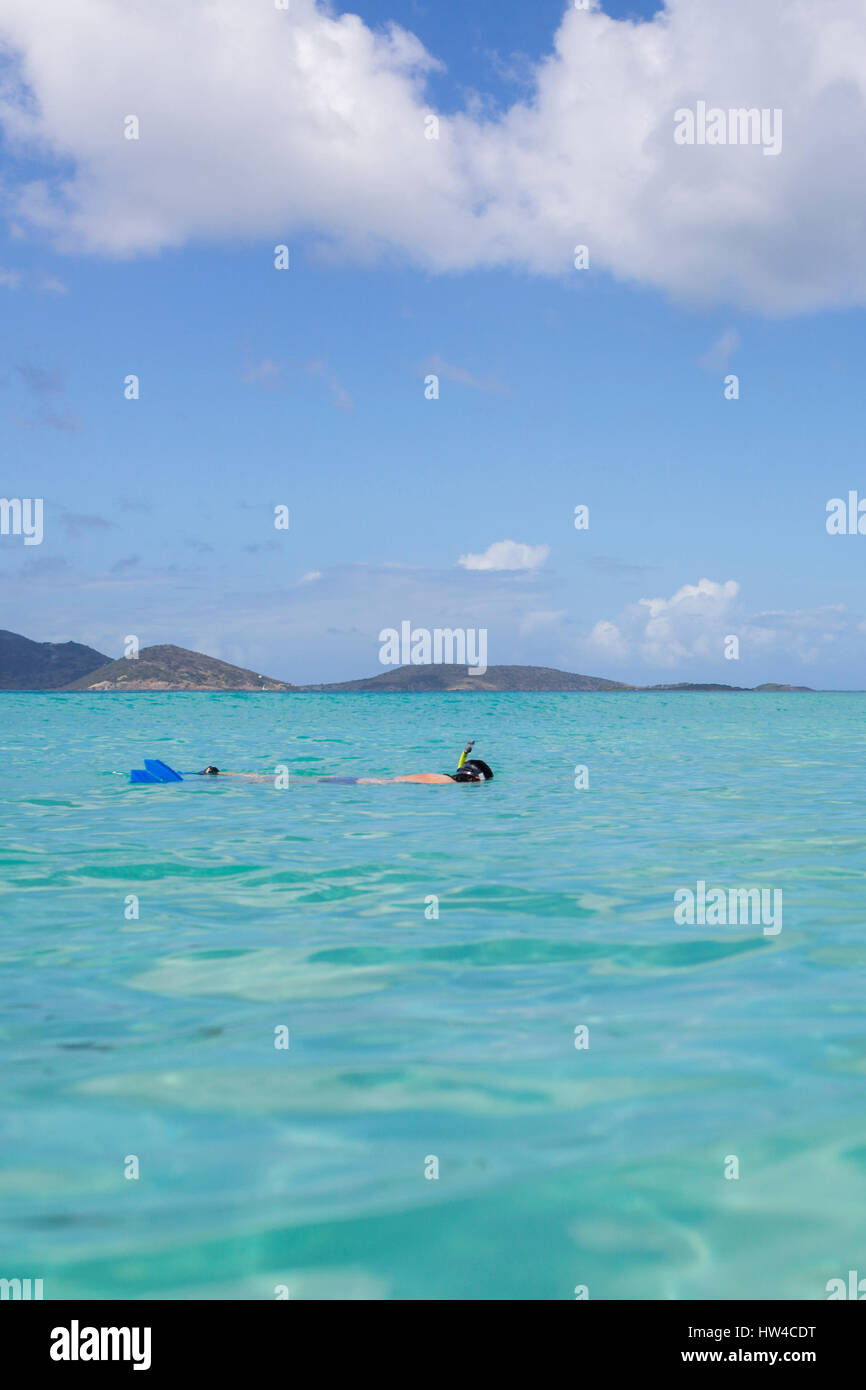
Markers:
point(473, 771)
point(209, 772)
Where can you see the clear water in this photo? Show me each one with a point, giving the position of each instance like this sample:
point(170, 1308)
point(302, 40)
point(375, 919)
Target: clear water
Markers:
point(414, 1037)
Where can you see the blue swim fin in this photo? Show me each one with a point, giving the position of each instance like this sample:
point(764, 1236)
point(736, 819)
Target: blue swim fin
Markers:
point(161, 772)
point(139, 775)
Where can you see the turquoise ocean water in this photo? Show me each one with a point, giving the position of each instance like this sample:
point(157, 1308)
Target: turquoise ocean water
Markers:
point(416, 1038)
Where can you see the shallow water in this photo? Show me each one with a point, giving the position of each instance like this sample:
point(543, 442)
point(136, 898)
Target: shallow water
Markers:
point(415, 1037)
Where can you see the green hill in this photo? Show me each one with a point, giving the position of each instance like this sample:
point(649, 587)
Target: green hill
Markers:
point(26, 665)
point(418, 679)
point(173, 668)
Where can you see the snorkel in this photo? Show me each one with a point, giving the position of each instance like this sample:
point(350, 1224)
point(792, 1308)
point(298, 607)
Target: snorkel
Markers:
point(465, 754)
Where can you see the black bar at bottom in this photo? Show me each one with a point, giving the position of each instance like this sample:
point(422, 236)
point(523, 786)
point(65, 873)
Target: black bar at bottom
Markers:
point(158, 1338)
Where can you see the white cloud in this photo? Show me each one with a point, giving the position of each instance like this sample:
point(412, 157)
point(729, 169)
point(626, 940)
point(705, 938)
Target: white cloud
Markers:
point(688, 630)
point(10, 279)
point(700, 598)
point(254, 119)
point(668, 632)
point(507, 555)
point(689, 623)
point(608, 641)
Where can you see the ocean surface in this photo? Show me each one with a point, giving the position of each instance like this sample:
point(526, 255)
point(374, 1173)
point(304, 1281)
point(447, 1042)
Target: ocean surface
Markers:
point(423, 1043)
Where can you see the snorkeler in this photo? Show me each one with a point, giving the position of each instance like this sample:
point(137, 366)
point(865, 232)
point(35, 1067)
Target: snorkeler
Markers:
point(467, 770)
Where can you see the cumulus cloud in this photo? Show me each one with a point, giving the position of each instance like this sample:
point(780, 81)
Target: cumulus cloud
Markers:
point(689, 629)
point(688, 623)
point(668, 632)
point(258, 123)
point(507, 555)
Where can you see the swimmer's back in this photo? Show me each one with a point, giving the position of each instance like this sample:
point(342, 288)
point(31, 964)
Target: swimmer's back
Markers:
point(425, 777)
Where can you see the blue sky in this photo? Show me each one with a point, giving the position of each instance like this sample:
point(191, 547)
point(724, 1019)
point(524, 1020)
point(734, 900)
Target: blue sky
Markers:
point(306, 387)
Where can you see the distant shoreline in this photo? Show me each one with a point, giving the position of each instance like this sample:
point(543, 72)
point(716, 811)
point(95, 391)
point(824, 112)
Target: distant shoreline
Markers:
point(30, 667)
point(682, 688)
point(324, 690)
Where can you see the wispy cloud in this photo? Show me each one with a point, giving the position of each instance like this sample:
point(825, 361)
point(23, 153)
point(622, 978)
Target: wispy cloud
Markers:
point(716, 358)
point(260, 547)
point(610, 565)
point(45, 385)
point(48, 284)
point(127, 563)
point(130, 504)
point(68, 421)
point(272, 375)
point(339, 395)
point(41, 381)
point(450, 371)
point(541, 621)
point(78, 522)
point(266, 372)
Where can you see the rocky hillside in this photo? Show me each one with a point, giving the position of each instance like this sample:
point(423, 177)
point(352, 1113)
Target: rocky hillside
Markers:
point(173, 668)
point(26, 665)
